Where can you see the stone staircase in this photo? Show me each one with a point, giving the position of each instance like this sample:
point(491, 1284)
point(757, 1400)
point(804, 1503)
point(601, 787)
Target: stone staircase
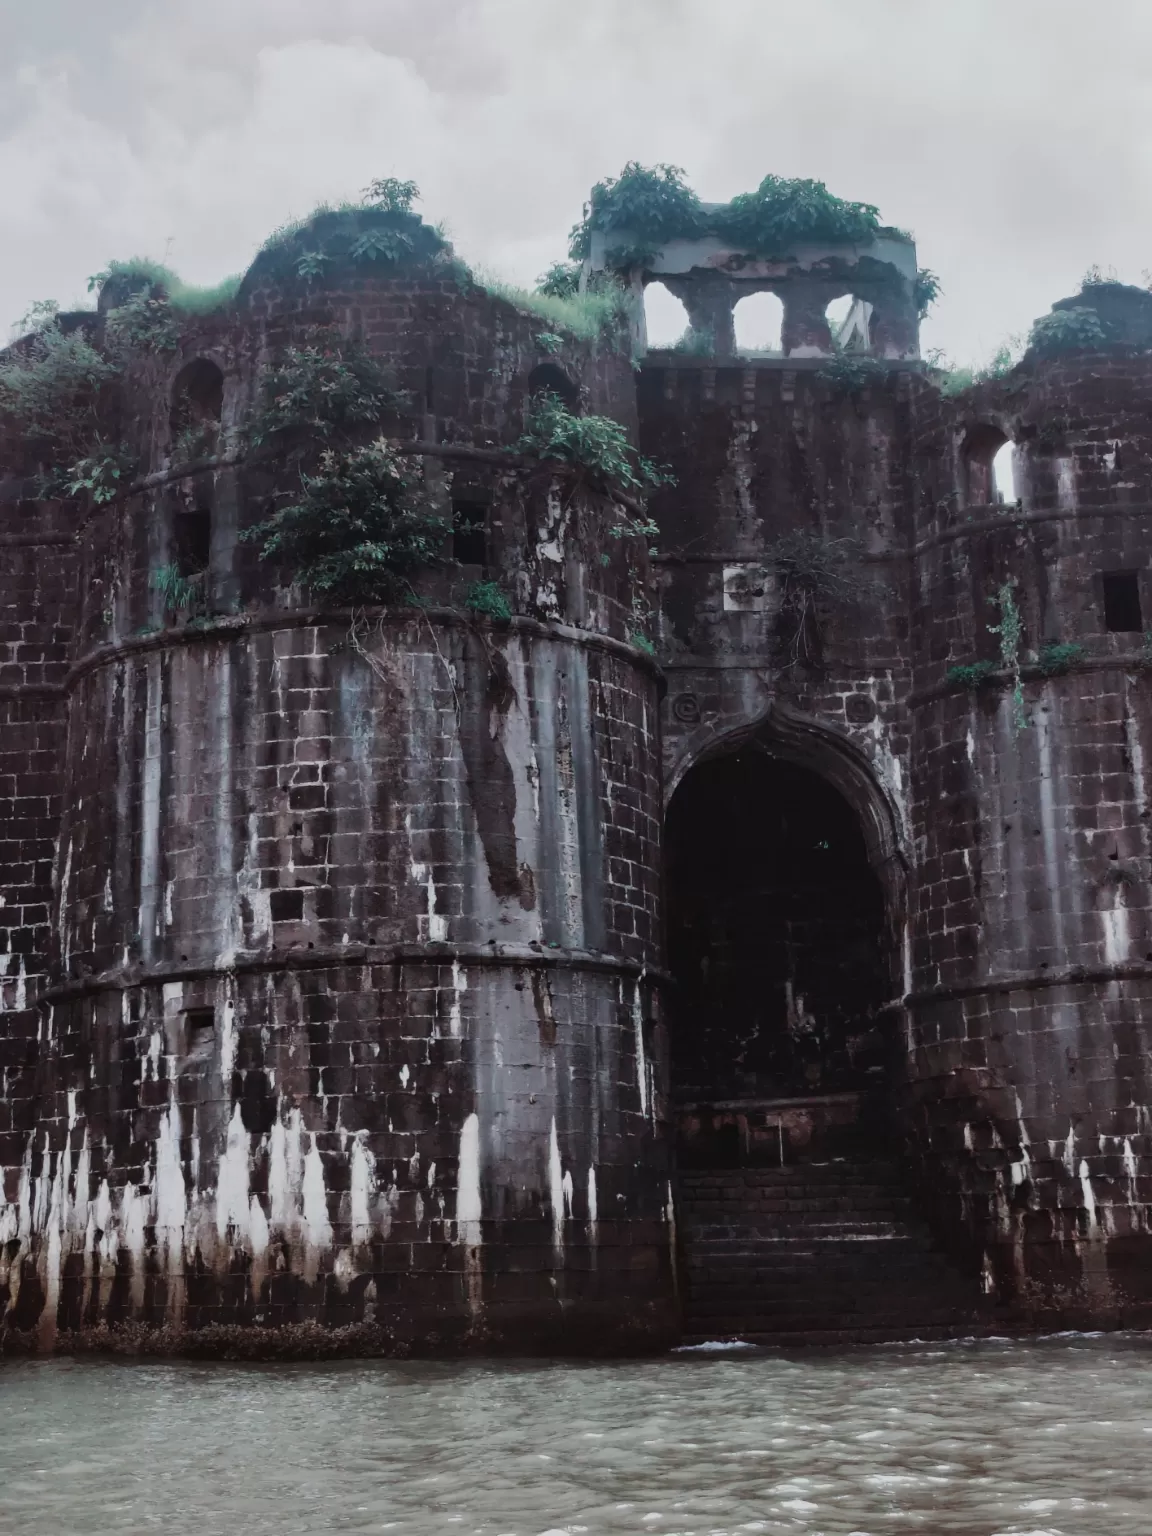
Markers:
point(815, 1253)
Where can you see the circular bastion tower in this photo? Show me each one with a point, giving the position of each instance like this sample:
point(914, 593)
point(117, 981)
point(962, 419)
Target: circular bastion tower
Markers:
point(1030, 1094)
point(353, 1023)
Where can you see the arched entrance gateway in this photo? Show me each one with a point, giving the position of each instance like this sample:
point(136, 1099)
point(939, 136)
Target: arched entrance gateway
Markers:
point(783, 896)
point(785, 901)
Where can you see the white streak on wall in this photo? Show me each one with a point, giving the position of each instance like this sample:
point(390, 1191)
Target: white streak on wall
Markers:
point(1070, 1151)
point(319, 1229)
point(459, 985)
point(362, 1177)
point(569, 1191)
point(62, 921)
point(642, 1078)
point(228, 1045)
point(171, 1195)
point(134, 1216)
point(150, 809)
point(232, 1194)
point(1114, 918)
point(469, 1210)
point(593, 1213)
point(556, 1191)
point(285, 1172)
point(1054, 873)
point(1089, 1199)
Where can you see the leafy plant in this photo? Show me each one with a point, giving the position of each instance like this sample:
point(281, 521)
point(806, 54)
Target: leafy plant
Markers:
point(101, 475)
point(595, 447)
point(549, 342)
point(1067, 330)
point(144, 322)
point(392, 195)
point(956, 380)
point(140, 272)
point(926, 290)
point(49, 388)
point(971, 674)
point(177, 591)
point(653, 203)
point(642, 643)
point(1010, 630)
point(487, 598)
point(387, 246)
point(626, 258)
point(601, 311)
point(1059, 656)
point(40, 313)
point(357, 528)
point(694, 343)
point(784, 213)
point(814, 574)
point(561, 281)
point(382, 230)
point(847, 375)
point(320, 389)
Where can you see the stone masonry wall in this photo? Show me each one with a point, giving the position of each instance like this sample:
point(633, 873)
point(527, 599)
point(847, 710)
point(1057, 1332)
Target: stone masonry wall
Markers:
point(1033, 953)
point(352, 1014)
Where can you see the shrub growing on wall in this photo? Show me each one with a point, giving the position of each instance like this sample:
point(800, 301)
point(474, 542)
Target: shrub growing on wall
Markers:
point(653, 205)
point(356, 525)
point(357, 528)
point(1067, 330)
point(595, 450)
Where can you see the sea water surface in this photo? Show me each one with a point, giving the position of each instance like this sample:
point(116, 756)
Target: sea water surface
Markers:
point(985, 1439)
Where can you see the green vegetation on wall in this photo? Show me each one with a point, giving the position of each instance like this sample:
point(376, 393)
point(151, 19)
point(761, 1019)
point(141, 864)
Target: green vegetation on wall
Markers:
point(355, 524)
point(815, 575)
point(381, 230)
point(319, 389)
point(1067, 330)
point(357, 527)
point(654, 204)
point(1010, 631)
point(597, 452)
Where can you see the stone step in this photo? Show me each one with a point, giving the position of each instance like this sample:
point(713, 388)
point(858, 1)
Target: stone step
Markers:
point(832, 1250)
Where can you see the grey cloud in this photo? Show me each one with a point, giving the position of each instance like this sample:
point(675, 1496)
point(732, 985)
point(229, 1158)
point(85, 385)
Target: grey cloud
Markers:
point(1017, 154)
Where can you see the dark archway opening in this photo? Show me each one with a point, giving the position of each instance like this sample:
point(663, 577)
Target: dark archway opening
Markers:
point(197, 404)
point(778, 939)
point(547, 378)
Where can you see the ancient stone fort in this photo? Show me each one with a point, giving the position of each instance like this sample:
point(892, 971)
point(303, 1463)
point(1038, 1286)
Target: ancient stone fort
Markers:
point(516, 839)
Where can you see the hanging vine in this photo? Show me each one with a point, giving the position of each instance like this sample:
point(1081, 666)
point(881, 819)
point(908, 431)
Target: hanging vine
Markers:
point(1010, 631)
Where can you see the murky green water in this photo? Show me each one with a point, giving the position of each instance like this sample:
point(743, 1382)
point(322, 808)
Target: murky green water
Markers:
point(1052, 1436)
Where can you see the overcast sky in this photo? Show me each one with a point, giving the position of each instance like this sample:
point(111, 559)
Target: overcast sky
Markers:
point(1013, 137)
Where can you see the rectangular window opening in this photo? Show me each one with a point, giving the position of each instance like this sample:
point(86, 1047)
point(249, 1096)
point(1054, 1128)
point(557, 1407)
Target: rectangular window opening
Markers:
point(470, 532)
point(1122, 611)
point(199, 1030)
point(286, 906)
point(193, 532)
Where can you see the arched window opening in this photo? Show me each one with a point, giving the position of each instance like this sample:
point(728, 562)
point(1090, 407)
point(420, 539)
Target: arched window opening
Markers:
point(981, 455)
point(758, 321)
point(193, 542)
point(778, 940)
point(850, 323)
point(470, 528)
point(665, 318)
point(1004, 473)
point(548, 379)
point(197, 402)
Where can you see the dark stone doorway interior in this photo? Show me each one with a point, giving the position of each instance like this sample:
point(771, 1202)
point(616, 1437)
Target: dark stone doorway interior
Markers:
point(781, 1029)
